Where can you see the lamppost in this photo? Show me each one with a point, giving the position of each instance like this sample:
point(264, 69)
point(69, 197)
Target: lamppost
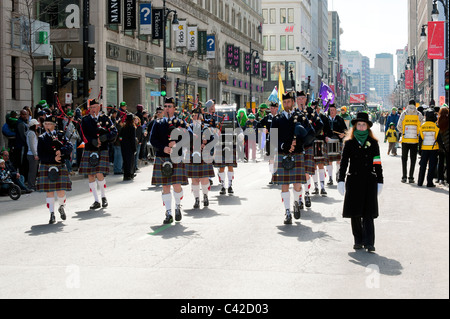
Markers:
point(166, 13)
point(251, 72)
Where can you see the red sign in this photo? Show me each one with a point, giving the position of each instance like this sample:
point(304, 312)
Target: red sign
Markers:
point(409, 79)
point(436, 40)
point(357, 98)
point(420, 72)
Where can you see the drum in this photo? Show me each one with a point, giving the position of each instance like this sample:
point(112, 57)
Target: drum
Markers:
point(319, 148)
point(334, 147)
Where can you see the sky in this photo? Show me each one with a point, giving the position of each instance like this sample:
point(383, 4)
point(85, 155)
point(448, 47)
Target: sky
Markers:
point(372, 26)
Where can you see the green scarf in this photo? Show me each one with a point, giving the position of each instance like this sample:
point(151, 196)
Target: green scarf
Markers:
point(361, 136)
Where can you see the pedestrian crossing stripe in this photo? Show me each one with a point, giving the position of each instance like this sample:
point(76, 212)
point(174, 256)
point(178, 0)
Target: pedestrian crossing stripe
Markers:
point(377, 160)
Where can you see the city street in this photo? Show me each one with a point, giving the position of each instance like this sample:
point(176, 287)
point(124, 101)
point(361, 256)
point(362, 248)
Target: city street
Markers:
point(237, 248)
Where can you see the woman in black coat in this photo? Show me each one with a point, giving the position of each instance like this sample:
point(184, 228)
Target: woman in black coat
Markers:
point(128, 146)
point(363, 182)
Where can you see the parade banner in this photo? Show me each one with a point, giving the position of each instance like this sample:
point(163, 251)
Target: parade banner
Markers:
point(130, 15)
point(211, 46)
point(357, 98)
point(180, 34)
point(436, 40)
point(157, 24)
point(409, 79)
point(256, 67)
point(230, 55)
point(145, 21)
point(114, 11)
point(420, 72)
point(192, 38)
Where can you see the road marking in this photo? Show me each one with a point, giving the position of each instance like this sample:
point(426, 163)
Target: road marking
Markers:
point(160, 230)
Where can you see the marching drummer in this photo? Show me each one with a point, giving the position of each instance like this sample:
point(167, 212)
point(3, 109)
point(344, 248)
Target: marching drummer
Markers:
point(266, 124)
point(320, 151)
point(335, 130)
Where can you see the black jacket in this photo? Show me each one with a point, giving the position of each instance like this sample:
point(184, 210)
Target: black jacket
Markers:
point(286, 131)
point(161, 132)
point(92, 128)
point(47, 151)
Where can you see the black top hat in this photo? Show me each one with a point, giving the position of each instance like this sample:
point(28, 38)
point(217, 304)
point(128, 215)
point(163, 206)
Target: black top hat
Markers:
point(362, 117)
point(169, 100)
point(274, 105)
point(301, 93)
point(93, 102)
point(288, 96)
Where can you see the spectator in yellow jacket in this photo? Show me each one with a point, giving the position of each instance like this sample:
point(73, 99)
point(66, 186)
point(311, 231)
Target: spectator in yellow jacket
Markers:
point(391, 137)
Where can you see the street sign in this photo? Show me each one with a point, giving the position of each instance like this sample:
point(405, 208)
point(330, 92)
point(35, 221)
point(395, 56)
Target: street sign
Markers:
point(155, 93)
point(69, 98)
point(173, 69)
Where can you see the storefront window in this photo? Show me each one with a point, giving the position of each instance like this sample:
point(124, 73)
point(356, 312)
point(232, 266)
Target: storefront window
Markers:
point(151, 102)
point(112, 87)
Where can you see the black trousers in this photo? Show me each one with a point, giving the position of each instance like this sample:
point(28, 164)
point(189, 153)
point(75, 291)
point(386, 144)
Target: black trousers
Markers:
point(411, 149)
point(430, 159)
point(363, 229)
point(443, 165)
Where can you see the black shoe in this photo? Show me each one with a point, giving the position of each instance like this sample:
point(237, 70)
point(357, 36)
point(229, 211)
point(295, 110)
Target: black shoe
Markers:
point(411, 180)
point(370, 248)
point(104, 202)
point(288, 219)
point(197, 203)
point(358, 246)
point(316, 191)
point(96, 205)
point(52, 219)
point(178, 215)
point(205, 200)
point(271, 182)
point(211, 182)
point(431, 185)
point(62, 212)
point(307, 201)
point(323, 192)
point(223, 191)
point(404, 180)
point(302, 206)
point(168, 220)
point(330, 182)
point(230, 190)
point(297, 213)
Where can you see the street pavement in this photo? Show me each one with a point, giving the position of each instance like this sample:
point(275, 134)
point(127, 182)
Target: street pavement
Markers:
point(238, 248)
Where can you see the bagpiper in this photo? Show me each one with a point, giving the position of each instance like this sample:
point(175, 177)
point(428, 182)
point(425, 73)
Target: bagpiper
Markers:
point(290, 166)
point(200, 165)
point(97, 131)
point(53, 149)
point(169, 169)
point(266, 124)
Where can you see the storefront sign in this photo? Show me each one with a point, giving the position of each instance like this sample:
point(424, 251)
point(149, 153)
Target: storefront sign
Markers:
point(157, 24)
point(145, 10)
point(130, 15)
point(114, 11)
point(409, 79)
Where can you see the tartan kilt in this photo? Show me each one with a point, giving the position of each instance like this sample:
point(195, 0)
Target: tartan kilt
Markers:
point(322, 161)
point(101, 168)
point(221, 162)
point(310, 166)
point(179, 176)
point(334, 158)
point(202, 170)
point(294, 176)
point(44, 185)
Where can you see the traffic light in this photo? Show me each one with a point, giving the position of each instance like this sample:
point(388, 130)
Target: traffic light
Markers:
point(91, 64)
point(163, 87)
point(447, 81)
point(80, 87)
point(65, 79)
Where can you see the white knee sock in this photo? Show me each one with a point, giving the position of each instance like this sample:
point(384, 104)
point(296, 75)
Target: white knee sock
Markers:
point(62, 201)
point(230, 178)
point(205, 189)
point(297, 195)
point(222, 178)
point(167, 200)
point(178, 197)
point(271, 168)
point(94, 192)
point(286, 200)
point(102, 186)
point(196, 191)
point(51, 204)
point(322, 177)
point(330, 171)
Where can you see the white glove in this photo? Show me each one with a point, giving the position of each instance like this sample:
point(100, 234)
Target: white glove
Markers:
point(380, 189)
point(341, 188)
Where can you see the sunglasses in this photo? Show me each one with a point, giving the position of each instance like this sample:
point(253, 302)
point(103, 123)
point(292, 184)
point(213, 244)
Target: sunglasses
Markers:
point(168, 106)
